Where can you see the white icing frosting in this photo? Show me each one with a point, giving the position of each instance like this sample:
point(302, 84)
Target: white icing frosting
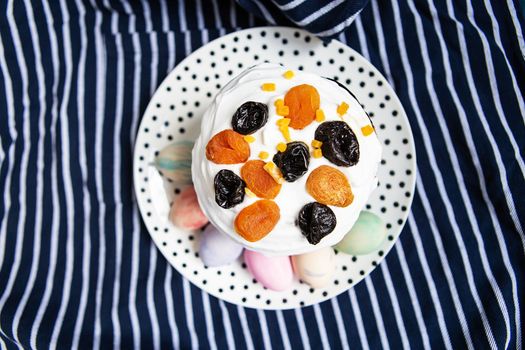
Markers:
point(286, 238)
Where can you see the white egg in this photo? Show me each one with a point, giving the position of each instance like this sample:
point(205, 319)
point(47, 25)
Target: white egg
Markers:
point(316, 268)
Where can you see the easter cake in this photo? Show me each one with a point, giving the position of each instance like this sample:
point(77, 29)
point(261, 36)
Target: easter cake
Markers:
point(285, 161)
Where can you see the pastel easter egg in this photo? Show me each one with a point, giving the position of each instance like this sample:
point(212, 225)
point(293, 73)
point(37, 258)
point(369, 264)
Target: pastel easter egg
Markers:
point(366, 236)
point(185, 211)
point(174, 162)
point(316, 268)
point(217, 249)
point(273, 272)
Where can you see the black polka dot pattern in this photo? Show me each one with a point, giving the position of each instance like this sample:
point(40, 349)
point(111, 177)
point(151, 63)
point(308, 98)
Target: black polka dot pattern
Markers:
point(175, 113)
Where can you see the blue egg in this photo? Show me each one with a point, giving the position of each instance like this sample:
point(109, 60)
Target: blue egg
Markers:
point(174, 162)
point(217, 249)
point(366, 236)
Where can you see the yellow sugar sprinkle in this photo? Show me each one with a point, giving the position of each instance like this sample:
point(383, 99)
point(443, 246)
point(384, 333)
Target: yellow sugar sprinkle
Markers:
point(286, 132)
point(249, 138)
point(342, 108)
point(288, 74)
point(268, 87)
point(283, 122)
point(281, 147)
point(316, 144)
point(317, 153)
point(274, 172)
point(367, 130)
point(263, 155)
point(319, 115)
point(279, 103)
point(283, 111)
point(249, 193)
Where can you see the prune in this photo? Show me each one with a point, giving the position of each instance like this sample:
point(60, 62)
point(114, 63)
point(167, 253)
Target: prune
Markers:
point(227, 147)
point(329, 186)
point(250, 117)
point(229, 189)
point(340, 144)
point(316, 220)
point(294, 161)
point(255, 221)
point(303, 101)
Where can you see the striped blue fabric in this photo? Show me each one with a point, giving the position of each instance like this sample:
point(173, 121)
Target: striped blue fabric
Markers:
point(324, 18)
point(77, 267)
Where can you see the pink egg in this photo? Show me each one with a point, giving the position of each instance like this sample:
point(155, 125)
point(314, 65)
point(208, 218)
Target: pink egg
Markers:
point(185, 211)
point(273, 272)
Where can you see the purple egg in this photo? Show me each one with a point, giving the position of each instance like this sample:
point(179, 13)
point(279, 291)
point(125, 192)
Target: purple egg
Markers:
point(217, 249)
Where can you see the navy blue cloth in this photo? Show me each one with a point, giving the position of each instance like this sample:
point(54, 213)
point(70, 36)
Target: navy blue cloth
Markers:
point(79, 270)
point(324, 18)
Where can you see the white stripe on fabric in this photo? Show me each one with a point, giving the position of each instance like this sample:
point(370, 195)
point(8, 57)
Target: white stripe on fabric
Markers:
point(210, 331)
point(377, 313)
point(170, 308)
point(2, 154)
point(462, 188)
point(233, 14)
point(289, 6)
point(26, 103)
point(227, 325)
point(475, 158)
point(416, 305)
point(282, 329)
point(339, 27)
point(245, 328)
point(164, 16)
point(381, 42)
point(86, 254)
point(420, 249)
point(217, 15)
point(35, 43)
point(442, 191)
point(200, 21)
point(182, 17)
point(190, 322)
point(358, 319)
point(55, 219)
point(67, 179)
point(11, 155)
point(264, 11)
point(171, 51)
point(264, 329)
point(150, 296)
point(320, 326)
point(99, 116)
point(117, 189)
point(134, 277)
point(517, 26)
point(497, 37)
point(362, 38)
point(302, 328)
point(397, 309)
point(319, 13)
point(340, 322)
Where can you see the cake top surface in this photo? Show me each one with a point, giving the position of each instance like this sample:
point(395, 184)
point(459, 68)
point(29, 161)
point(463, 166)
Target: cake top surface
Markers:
point(339, 172)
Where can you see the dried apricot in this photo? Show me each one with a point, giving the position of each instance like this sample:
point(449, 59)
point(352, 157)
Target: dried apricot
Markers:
point(255, 221)
point(227, 147)
point(258, 180)
point(329, 186)
point(303, 102)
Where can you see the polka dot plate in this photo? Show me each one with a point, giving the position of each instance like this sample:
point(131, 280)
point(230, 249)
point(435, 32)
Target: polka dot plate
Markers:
point(174, 114)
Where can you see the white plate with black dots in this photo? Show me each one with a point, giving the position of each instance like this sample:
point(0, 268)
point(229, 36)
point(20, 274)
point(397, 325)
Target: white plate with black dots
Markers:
point(174, 114)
